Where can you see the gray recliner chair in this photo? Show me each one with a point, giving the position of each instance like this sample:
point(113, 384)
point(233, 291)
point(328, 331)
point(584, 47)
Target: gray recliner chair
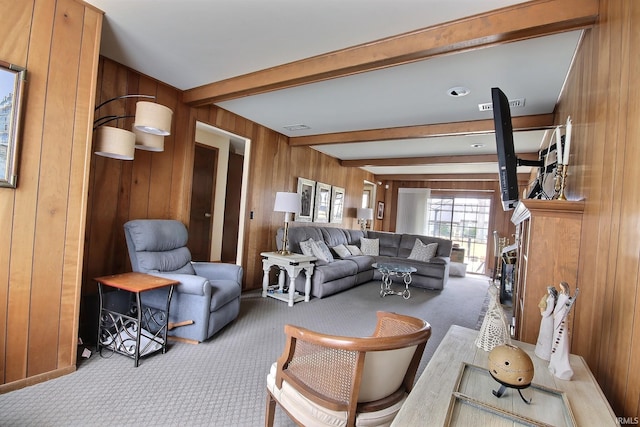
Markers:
point(208, 293)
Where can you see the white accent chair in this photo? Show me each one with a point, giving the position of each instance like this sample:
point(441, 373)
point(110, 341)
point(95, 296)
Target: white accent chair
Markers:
point(328, 380)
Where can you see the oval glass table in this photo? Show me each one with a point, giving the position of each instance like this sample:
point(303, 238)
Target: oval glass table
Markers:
point(388, 271)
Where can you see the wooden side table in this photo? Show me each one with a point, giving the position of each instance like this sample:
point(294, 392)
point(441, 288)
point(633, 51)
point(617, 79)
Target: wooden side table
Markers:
point(432, 401)
point(293, 264)
point(126, 326)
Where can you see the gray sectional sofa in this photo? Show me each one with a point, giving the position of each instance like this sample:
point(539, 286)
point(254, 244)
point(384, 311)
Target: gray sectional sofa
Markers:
point(344, 273)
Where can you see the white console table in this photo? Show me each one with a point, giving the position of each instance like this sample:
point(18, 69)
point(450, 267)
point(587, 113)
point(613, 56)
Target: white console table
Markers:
point(432, 402)
point(293, 264)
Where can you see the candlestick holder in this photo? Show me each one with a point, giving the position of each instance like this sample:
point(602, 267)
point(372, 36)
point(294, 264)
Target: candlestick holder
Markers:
point(557, 181)
point(563, 181)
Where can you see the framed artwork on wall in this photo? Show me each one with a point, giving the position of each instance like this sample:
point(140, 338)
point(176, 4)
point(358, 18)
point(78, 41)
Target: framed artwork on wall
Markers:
point(323, 202)
point(12, 79)
point(307, 191)
point(337, 204)
point(380, 211)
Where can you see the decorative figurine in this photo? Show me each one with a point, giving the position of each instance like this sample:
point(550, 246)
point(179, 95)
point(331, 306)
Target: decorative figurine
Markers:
point(559, 362)
point(494, 330)
point(512, 367)
point(545, 336)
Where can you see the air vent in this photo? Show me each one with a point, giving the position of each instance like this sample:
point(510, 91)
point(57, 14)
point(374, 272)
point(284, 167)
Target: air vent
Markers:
point(513, 103)
point(296, 127)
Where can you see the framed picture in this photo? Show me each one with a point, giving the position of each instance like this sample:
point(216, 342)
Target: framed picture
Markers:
point(307, 191)
point(337, 204)
point(323, 202)
point(12, 79)
point(380, 214)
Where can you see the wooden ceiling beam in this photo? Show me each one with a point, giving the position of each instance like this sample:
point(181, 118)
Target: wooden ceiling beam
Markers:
point(432, 160)
point(518, 22)
point(522, 178)
point(539, 121)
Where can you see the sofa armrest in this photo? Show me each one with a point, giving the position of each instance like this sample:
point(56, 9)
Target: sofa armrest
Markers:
point(440, 260)
point(219, 271)
point(189, 284)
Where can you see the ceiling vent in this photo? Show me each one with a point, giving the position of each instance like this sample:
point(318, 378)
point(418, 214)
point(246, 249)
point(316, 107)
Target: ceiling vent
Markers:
point(513, 103)
point(293, 128)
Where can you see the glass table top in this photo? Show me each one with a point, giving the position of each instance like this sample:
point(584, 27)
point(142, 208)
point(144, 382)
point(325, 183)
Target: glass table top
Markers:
point(395, 268)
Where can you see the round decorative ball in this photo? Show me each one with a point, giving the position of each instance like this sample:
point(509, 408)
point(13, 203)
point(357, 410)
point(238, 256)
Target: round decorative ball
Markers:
point(511, 365)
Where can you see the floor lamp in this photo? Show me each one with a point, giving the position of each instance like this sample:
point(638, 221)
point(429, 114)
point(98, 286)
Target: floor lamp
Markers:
point(288, 203)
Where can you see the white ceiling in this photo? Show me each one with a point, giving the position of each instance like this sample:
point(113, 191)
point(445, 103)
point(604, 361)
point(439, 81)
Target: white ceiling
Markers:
point(190, 43)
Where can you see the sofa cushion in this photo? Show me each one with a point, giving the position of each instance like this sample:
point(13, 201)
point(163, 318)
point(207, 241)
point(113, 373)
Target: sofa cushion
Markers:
point(354, 250)
point(336, 270)
point(408, 240)
point(389, 242)
point(297, 235)
point(423, 252)
point(333, 236)
point(342, 251)
point(370, 246)
point(321, 251)
point(364, 262)
point(306, 247)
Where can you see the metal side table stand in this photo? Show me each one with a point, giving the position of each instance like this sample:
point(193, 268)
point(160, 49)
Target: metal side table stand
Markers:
point(126, 326)
point(388, 271)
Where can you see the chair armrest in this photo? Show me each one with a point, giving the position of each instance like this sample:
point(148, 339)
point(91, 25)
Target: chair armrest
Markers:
point(189, 284)
point(219, 271)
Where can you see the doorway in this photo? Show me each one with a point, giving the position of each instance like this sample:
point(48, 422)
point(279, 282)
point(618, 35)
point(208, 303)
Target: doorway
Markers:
point(227, 178)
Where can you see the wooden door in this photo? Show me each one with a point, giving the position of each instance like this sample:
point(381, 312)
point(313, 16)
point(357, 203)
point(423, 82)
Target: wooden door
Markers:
point(202, 189)
point(232, 208)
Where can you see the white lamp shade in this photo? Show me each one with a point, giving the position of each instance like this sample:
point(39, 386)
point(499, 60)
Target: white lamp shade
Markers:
point(365, 213)
point(153, 118)
point(148, 141)
point(287, 202)
point(115, 143)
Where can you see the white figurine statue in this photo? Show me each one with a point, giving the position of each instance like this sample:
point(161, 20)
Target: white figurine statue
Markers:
point(559, 362)
point(494, 330)
point(545, 336)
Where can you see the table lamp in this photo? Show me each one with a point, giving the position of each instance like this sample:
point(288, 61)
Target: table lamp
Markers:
point(288, 203)
point(364, 215)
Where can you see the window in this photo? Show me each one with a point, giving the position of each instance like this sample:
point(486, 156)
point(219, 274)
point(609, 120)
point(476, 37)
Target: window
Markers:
point(465, 221)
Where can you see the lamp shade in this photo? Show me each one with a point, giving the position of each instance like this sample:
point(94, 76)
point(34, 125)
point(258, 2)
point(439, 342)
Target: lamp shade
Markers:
point(153, 118)
point(115, 143)
point(148, 141)
point(287, 202)
point(365, 213)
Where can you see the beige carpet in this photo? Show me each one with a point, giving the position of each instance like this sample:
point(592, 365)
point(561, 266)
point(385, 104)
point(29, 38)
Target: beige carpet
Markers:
point(222, 382)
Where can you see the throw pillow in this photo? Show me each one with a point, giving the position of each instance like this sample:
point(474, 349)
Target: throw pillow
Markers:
point(321, 251)
point(342, 251)
point(370, 246)
point(305, 247)
point(422, 252)
point(354, 250)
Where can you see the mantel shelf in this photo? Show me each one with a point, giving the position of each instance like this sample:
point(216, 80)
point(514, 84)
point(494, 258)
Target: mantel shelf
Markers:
point(524, 209)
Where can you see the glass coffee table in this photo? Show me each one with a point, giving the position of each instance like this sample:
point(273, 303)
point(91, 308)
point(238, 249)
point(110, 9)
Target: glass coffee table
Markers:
point(388, 271)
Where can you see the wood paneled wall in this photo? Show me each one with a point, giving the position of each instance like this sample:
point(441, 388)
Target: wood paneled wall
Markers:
point(42, 222)
point(602, 97)
point(157, 185)
point(499, 220)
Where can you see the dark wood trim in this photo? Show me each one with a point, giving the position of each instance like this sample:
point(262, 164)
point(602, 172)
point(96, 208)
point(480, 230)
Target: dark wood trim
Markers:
point(540, 121)
point(432, 160)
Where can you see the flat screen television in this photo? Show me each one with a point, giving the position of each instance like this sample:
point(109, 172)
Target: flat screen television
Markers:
point(507, 160)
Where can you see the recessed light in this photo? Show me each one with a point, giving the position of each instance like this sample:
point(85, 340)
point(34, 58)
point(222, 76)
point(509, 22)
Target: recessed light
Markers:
point(459, 91)
point(296, 127)
point(477, 145)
